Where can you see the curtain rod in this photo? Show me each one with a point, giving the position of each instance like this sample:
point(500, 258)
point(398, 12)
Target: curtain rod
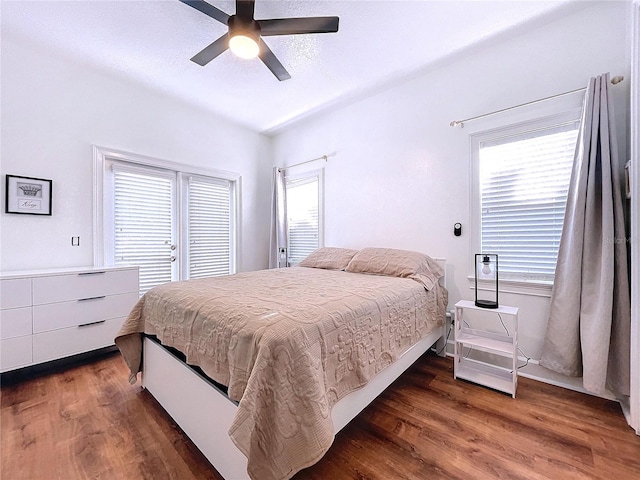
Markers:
point(323, 157)
point(455, 123)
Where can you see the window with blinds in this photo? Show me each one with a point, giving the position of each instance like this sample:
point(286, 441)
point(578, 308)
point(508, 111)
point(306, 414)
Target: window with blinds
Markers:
point(523, 184)
point(303, 216)
point(209, 227)
point(143, 224)
point(173, 225)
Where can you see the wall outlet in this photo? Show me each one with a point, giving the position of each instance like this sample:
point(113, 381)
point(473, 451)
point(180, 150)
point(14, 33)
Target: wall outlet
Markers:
point(75, 241)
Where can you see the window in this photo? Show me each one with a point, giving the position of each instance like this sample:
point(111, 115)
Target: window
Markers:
point(144, 231)
point(172, 224)
point(521, 179)
point(209, 227)
point(304, 215)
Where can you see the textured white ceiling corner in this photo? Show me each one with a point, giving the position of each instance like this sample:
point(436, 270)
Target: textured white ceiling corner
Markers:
point(152, 42)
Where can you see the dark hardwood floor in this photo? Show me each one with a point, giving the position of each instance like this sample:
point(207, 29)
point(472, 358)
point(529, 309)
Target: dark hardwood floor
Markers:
point(86, 421)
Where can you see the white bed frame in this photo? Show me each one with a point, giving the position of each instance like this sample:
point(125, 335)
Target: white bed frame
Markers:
point(205, 414)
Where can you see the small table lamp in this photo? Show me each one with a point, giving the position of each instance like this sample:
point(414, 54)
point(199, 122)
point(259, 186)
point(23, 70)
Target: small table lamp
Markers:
point(486, 271)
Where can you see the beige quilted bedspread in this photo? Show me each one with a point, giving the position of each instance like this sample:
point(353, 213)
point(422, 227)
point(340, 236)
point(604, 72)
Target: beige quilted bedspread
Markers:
point(289, 343)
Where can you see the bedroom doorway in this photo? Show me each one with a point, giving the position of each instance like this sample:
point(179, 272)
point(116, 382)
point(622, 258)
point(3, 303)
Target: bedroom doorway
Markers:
point(144, 231)
point(171, 223)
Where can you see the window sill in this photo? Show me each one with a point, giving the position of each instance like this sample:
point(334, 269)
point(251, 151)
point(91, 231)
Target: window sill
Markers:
point(520, 287)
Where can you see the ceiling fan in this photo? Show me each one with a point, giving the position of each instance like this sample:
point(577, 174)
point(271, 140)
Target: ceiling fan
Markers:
point(244, 37)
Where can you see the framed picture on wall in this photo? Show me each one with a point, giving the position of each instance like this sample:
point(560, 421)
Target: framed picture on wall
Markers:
point(26, 195)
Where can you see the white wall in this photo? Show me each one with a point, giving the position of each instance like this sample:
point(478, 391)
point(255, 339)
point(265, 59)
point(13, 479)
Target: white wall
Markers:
point(54, 110)
point(400, 176)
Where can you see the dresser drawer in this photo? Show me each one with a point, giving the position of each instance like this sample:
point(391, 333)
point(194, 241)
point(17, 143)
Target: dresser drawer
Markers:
point(15, 353)
point(15, 292)
point(70, 341)
point(80, 312)
point(63, 288)
point(15, 322)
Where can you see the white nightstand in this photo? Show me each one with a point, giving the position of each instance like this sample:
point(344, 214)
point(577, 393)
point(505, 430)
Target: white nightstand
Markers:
point(493, 376)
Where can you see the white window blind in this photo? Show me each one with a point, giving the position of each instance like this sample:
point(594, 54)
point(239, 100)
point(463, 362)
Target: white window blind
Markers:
point(303, 217)
point(524, 180)
point(173, 225)
point(209, 227)
point(143, 206)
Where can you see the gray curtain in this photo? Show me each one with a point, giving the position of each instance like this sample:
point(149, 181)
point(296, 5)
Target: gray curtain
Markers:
point(588, 332)
point(278, 240)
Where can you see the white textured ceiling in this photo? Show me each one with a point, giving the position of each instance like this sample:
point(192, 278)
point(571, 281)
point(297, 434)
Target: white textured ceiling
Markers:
point(378, 42)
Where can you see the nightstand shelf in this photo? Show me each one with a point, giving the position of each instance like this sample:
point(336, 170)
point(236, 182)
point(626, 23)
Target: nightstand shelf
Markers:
point(489, 375)
point(486, 340)
point(484, 374)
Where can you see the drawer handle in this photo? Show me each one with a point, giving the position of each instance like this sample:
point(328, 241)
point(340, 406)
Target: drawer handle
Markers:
point(92, 273)
point(91, 298)
point(91, 323)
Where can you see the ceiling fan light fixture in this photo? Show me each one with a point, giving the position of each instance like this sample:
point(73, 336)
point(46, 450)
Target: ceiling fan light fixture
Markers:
point(244, 45)
point(244, 35)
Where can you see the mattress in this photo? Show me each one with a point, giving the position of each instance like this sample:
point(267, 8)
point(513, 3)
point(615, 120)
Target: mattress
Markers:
point(288, 344)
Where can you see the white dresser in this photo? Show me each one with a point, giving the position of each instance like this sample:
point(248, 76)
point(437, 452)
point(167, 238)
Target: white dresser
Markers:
point(51, 314)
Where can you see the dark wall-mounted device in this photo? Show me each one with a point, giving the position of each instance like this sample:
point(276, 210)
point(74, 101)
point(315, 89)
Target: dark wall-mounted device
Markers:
point(457, 229)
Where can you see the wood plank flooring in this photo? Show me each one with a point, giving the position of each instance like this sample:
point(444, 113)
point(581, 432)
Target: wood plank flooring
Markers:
point(86, 421)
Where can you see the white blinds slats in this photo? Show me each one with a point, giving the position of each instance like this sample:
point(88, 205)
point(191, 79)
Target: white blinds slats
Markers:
point(153, 207)
point(143, 205)
point(209, 227)
point(523, 187)
point(303, 218)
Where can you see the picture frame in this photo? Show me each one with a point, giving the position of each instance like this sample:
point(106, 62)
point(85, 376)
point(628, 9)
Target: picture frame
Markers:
point(28, 195)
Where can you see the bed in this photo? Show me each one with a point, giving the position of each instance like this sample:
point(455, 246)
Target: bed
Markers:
point(261, 369)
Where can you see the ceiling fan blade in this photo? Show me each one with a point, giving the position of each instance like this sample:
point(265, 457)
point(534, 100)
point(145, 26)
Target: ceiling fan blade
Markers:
point(212, 51)
point(272, 63)
point(245, 8)
point(207, 9)
point(292, 26)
